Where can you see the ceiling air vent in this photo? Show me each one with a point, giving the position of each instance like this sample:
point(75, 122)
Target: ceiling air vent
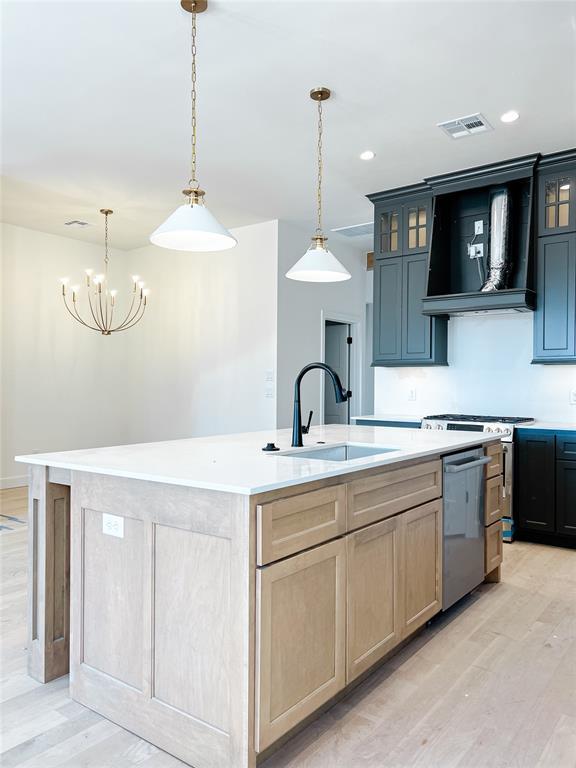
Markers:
point(77, 223)
point(355, 230)
point(466, 126)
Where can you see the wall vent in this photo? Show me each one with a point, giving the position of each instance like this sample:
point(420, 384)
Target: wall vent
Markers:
point(356, 230)
point(77, 223)
point(466, 126)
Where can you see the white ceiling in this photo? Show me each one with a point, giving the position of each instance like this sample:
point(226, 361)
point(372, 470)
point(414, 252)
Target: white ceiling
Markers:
point(96, 103)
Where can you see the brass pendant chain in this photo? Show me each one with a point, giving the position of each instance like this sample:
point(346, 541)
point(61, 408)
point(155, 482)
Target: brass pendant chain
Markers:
point(319, 192)
point(106, 249)
point(193, 182)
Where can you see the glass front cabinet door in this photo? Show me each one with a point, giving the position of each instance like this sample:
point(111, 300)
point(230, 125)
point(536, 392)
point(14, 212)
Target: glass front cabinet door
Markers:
point(416, 225)
point(388, 231)
point(557, 203)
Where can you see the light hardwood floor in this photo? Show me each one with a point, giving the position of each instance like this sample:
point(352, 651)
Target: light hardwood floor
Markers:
point(491, 684)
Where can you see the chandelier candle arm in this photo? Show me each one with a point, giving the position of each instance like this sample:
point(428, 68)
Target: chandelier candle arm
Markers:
point(319, 265)
point(102, 300)
point(192, 227)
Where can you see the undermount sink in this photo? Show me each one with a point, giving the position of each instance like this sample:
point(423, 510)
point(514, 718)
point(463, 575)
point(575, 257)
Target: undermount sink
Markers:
point(340, 452)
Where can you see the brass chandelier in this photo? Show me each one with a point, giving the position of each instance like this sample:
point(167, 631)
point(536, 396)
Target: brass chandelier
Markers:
point(102, 299)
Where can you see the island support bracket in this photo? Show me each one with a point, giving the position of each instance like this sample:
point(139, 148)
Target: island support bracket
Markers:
point(48, 616)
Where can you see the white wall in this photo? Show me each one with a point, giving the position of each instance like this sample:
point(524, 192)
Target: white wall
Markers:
point(300, 308)
point(195, 365)
point(62, 386)
point(200, 359)
point(489, 373)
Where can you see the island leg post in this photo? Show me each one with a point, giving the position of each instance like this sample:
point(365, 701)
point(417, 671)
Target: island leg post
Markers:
point(48, 577)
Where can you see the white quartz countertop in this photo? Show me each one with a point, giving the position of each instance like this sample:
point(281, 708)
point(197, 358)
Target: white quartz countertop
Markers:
point(388, 417)
point(236, 463)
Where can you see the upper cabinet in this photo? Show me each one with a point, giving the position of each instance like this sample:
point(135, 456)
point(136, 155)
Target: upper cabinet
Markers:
point(557, 202)
point(555, 268)
point(402, 227)
point(403, 336)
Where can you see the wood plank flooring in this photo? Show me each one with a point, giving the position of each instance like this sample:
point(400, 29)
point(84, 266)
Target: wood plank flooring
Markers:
point(491, 684)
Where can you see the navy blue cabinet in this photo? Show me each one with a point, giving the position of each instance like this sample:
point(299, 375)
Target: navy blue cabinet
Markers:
point(387, 311)
point(557, 200)
point(535, 480)
point(545, 486)
point(566, 498)
point(403, 336)
point(555, 315)
point(402, 226)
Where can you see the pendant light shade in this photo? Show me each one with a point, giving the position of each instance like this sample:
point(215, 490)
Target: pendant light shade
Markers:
point(319, 265)
point(192, 228)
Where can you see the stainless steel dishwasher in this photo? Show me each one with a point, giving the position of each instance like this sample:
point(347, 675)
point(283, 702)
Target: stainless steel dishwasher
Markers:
point(463, 564)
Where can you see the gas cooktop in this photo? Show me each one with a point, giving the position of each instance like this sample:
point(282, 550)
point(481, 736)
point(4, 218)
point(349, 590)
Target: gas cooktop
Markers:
point(480, 419)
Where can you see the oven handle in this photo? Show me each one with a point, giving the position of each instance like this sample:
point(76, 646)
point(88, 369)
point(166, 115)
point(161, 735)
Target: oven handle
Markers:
point(466, 465)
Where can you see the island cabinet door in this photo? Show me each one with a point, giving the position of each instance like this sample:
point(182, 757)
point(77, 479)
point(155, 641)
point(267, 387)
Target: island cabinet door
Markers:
point(300, 637)
point(422, 565)
point(373, 617)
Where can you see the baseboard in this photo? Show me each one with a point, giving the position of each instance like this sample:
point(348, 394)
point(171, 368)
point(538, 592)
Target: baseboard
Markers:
point(13, 482)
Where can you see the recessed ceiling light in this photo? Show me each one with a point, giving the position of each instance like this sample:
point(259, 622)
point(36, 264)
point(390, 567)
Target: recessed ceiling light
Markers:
point(509, 117)
point(367, 155)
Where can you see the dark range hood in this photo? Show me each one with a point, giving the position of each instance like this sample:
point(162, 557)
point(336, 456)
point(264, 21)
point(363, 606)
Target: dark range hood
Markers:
point(487, 212)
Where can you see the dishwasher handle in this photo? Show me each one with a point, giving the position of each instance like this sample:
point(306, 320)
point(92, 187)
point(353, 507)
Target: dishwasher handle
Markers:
point(465, 465)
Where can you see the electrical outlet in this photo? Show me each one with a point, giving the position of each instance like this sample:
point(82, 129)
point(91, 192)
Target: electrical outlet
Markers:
point(476, 251)
point(113, 525)
point(572, 396)
point(479, 227)
point(412, 394)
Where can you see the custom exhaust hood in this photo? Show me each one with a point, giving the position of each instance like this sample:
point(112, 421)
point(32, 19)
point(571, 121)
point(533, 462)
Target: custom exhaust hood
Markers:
point(481, 248)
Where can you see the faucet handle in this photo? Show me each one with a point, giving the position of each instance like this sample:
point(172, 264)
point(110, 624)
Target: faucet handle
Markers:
point(306, 429)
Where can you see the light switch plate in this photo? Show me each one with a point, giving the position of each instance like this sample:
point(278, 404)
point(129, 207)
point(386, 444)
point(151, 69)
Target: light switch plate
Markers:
point(572, 397)
point(113, 525)
point(412, 394)
point(479, 227)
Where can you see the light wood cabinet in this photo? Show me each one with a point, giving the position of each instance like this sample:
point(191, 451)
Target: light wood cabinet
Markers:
point(374, 623)
point(493, 547)
point(298, 522)
point(422, 565)
point(493, 500)
point(379, 496)
point(496, 466)
point(300, 637)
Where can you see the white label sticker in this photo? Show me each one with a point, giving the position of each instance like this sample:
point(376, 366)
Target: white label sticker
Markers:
point(113, 525)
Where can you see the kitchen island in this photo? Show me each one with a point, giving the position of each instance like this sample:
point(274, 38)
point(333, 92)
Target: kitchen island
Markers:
point(211, 597)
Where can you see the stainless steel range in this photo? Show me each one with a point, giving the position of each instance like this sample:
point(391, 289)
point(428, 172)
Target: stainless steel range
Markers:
point(500, 425)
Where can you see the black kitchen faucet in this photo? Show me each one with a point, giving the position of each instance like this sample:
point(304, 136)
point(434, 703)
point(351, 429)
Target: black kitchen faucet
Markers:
point(341, 396)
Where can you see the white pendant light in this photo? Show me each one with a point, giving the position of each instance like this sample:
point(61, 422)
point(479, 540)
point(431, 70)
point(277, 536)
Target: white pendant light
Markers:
point(192, 227)
point(319, 265)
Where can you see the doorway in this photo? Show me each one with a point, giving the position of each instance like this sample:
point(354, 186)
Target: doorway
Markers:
point(338, 355)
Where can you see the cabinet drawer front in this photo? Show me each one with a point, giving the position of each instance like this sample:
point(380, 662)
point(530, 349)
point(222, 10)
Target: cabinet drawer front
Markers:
point(493, 546)
point(290, 525)
point(373, 599)
point(300, 638)
point(496, 466)
point(379, 496)
point(493, 500)
point(566, 446)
